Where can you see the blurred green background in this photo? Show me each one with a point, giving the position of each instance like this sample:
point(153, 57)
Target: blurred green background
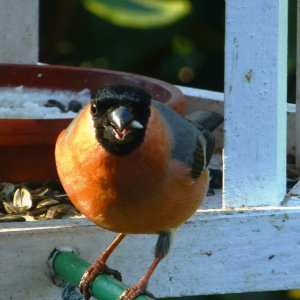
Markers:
point(179, 41)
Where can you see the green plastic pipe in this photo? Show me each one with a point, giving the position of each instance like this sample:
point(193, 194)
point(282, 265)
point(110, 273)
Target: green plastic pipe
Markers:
point(68, 266)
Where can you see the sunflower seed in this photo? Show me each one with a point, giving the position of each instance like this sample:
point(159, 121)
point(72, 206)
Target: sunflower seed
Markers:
point(22, 198)
point(47, 202)
point(55, 103)
point(34, 201)
point(74, 106)
point(12, 218)
point(37, 211)
point(11, 209)
point(57, 211)
point(39, 192)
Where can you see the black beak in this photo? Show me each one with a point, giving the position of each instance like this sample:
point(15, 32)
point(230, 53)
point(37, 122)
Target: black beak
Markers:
point(121, 118)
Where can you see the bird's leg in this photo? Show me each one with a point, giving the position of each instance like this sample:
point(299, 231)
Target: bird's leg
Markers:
point(161, 250)
point(140, 287)
point(99, 266)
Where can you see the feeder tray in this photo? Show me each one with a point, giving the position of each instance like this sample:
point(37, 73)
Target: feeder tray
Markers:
point(27, 145)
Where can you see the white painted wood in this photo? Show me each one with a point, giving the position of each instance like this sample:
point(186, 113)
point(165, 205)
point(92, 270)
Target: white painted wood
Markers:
point(298, 90)
point(214, 252)
point(255, 102)
point(19, 31)
point(200, 94)
point(217, 251)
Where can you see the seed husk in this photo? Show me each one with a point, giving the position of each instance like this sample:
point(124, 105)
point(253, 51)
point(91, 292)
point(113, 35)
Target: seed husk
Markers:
point(58, 211)
point(47, 202)
point(12, 218)
point(11, 209)
point(34, 201)
point(37, 211)
point(22, 198)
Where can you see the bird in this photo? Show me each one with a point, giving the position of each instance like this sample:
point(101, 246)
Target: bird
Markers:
point(132, 165)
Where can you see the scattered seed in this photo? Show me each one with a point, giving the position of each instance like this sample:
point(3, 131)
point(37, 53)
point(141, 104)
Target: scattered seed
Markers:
point(40, 202)
point(74, 106)
point(37, 211)
point(22, 198)
point(55, 103)
point(57, 211)
point(47, 202)
point(12, 218)
point(39, 192)
point(10, 208)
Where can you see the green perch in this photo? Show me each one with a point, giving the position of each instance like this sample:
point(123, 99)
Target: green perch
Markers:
point(68, 266)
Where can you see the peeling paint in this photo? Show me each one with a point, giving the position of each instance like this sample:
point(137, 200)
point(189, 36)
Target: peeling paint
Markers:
point(249, 75)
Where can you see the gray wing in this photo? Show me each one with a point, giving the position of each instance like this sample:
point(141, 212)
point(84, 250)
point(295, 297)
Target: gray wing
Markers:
point(206, 122)
point(193, 144)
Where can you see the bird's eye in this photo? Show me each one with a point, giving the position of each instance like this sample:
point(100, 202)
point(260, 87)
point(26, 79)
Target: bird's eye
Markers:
point(93, 109)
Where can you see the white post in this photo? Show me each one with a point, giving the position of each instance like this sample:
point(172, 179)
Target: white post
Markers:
point(19, 31)
point(298, 90)
point(255, 102)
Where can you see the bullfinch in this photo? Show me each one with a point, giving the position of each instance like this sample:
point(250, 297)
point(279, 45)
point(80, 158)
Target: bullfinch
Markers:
point(132, 165)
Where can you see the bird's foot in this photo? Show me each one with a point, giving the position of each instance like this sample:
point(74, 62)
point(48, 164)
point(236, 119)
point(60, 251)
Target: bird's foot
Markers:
point(90, 274)
point(138, 289)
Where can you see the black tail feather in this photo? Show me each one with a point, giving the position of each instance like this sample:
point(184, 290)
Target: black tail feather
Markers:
point(206, 119)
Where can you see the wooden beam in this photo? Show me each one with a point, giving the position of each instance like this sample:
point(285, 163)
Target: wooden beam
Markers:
point(214, 252)
point(19, 31)
point(255, 102)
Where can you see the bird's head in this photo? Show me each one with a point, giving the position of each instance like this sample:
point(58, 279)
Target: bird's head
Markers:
point(120, 114)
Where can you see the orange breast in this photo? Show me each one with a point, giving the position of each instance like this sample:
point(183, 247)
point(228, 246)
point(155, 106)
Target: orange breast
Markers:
point(143, 192)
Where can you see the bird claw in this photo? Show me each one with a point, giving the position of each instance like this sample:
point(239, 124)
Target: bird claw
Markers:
point(133, 292)
point(84, 284)
point(91, 273)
